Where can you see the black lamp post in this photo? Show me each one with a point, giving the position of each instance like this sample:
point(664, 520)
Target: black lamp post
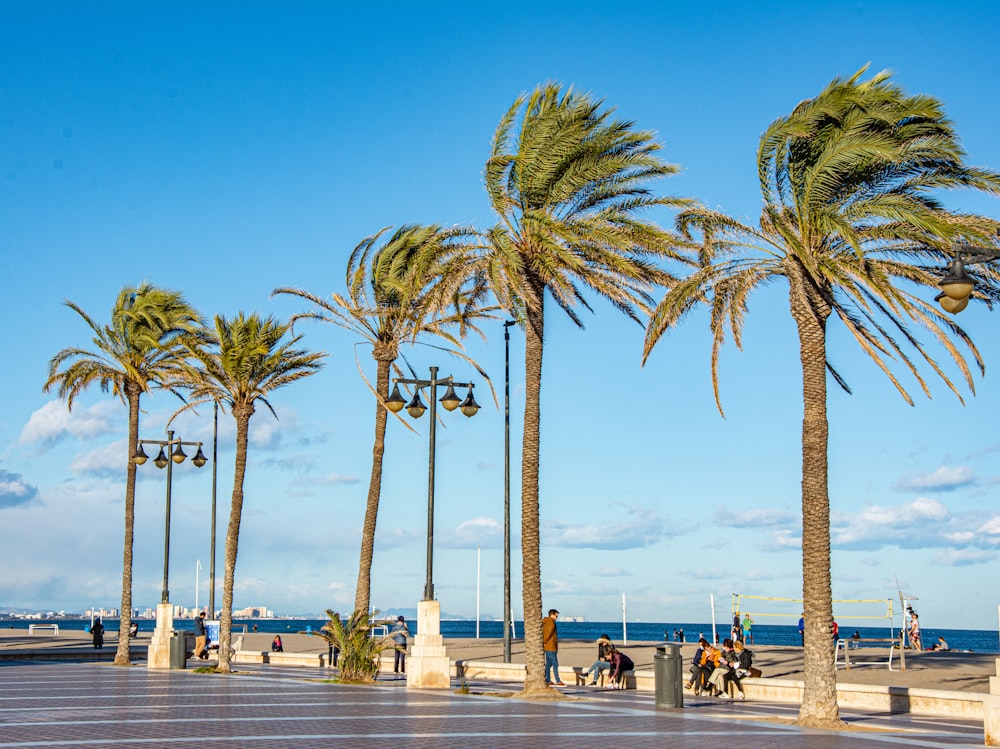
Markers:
point(215, 475)
point(177, 455)
point(416, 408)
point(506, 491)
point(957, 285)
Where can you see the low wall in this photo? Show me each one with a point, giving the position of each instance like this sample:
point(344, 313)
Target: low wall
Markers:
point(965, 705)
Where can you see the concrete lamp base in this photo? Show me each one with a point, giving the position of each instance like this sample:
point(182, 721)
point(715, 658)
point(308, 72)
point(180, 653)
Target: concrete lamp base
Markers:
point(159, 646)
point(428, 666)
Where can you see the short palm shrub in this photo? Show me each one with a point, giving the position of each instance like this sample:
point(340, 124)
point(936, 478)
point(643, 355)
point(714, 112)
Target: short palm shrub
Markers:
point(360, 650)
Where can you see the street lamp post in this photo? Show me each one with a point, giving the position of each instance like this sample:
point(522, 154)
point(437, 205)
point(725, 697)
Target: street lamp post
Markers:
point(957, 285)
point(506, 491)
point(215, 474)
point(429, 666)
point(171, 451)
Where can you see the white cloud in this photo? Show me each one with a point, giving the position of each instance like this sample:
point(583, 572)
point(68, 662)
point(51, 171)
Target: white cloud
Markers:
point(991, 527)
point(755, 518)
point(110, 460)
point(963, 557)
point(54, 420)
point(944, 479)
point(611, 572)
point(482, 531)
point(14, 490)
point(917, 524)
point(633, 529)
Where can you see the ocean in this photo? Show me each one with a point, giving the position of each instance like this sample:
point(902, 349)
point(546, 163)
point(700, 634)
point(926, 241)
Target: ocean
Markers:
point(974, 640)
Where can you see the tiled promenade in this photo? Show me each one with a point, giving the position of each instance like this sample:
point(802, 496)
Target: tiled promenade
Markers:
point(50, 704)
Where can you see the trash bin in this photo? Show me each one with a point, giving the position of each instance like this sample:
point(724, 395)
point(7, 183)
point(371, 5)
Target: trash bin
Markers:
point(667, 675)
point(178, 650)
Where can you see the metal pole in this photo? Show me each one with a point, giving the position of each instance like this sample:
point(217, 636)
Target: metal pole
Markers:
point(166, 533)
point(429, 584)
point(507, 624)
point(479, 555)
point(215, 470)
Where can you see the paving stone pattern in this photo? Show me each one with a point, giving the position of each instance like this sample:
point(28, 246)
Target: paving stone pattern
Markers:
point(97, 705)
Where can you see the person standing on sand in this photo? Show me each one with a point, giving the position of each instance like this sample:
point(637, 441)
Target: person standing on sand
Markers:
point(550, 644)
point(747, 633)
point(802, 628)
point(915, 641)
point(97, 633)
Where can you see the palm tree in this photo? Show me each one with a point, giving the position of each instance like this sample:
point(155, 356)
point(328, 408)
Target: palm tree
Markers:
point(567, 190)
point(129, 358)
point(852, 223)
point(396, 292)
point(243, 363)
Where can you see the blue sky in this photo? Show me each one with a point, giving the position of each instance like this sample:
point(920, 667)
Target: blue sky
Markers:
point(229, 149)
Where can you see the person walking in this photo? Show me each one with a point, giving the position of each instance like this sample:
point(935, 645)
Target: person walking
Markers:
point(550, 644)
point(97, 633)
point(399, 634)
point(199, 635)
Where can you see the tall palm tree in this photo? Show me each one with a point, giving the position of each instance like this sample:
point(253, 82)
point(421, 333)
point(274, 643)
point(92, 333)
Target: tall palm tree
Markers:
point(853, 225)
point(129, 358)
point(245, 360)
point(398, 291)
point(567, 189)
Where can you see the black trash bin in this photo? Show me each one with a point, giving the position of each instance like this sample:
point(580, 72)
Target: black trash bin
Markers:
point(178, 650)
point(667, 675)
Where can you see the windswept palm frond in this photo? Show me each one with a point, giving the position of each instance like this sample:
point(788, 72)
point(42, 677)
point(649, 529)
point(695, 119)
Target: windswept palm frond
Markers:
point(416, 283)
point(854, 223)
point(571, 187)
point(238, 365)
point(131, 355)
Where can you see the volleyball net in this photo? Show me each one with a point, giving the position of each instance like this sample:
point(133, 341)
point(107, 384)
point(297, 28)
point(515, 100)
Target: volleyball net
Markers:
point(844, 609)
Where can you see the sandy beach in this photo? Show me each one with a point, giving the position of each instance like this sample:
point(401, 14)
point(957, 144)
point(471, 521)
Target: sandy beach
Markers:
point(956, 671)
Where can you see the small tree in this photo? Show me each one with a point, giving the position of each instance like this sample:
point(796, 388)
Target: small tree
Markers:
point(360, 650)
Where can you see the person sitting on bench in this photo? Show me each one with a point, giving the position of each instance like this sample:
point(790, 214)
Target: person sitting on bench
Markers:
point(620, 663)
point(604, 651)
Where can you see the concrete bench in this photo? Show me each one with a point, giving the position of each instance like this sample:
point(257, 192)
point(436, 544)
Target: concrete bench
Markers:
point(627, 682)
point(32, 628)
point(582, 675)
point(628, 678)
point(296, 659)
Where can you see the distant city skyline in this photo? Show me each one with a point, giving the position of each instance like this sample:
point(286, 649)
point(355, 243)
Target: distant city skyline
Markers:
point(224, 151)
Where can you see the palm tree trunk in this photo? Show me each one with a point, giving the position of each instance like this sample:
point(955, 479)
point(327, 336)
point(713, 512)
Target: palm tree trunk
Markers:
point(362, 596)
point(531, 571)
point(123, 656)
point(242, 416)
point(819, 698)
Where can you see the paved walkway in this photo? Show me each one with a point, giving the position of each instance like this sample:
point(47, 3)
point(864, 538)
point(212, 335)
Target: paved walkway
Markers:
point(59, 704)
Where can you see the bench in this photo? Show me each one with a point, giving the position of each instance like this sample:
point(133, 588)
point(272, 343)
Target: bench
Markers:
point(628, 681)
point(628, 678)
point(296, 659)
point(581, 676)
point(32, 628)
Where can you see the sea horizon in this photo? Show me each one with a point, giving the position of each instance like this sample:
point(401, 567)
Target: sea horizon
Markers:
point(972, 640)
